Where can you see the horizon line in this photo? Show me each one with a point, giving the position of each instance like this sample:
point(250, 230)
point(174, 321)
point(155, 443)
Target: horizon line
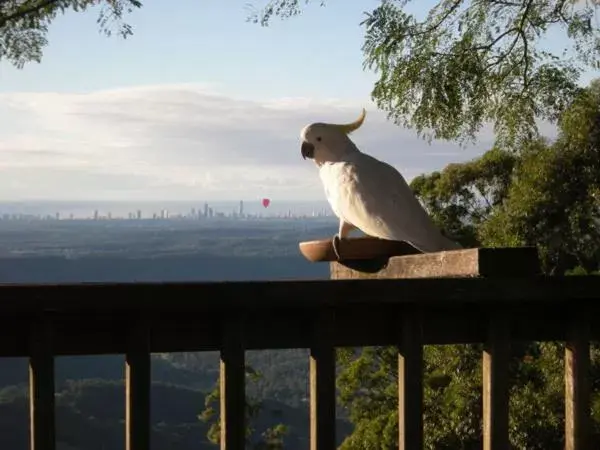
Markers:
point(158, 201)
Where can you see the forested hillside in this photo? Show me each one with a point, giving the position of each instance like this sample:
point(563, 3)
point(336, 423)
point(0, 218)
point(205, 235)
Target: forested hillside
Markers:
point(90, 388)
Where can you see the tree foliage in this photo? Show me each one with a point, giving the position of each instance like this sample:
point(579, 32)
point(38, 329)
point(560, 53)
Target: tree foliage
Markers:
point(546, 195)
point(452, 397)
point(24, 24)
point(471, 62)
point(271, 438)
point(461, 197)
point(554, 201)
point(279, 8)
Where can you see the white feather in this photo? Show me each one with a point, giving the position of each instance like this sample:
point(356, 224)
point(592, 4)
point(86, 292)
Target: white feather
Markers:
point(374, 197)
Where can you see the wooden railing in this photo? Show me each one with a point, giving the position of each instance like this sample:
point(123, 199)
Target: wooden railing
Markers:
point(473, 305)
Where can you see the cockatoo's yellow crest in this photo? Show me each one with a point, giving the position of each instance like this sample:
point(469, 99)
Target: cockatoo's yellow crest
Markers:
point(348, 128)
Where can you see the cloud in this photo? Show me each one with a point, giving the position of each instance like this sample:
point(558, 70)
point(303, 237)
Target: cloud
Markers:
point(183, 142)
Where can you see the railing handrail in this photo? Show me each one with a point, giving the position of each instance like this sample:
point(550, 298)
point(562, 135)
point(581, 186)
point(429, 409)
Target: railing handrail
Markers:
point(196, 296)
point(137, 319)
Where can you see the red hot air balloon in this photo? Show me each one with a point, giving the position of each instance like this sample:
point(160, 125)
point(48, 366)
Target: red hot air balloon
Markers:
point(266, 202)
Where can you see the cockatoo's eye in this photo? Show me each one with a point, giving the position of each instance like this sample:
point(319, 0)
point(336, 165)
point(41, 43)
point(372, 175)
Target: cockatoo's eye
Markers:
point(319, 138)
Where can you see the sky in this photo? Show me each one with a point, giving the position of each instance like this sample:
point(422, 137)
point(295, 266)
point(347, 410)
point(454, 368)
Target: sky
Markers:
point(197, 104)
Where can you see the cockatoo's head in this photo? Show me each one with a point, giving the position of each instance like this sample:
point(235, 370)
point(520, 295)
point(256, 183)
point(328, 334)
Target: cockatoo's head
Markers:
point(324, 142)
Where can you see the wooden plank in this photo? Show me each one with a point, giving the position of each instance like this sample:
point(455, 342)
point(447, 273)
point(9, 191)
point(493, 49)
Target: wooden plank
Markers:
point(41, 386)
point(473, 262)
point(577, 384)
point(410, 382)
point(496, 357)
point(322, 383)
point(282, 327)
point(181, 298)
point(232, 384)
point(137, 388)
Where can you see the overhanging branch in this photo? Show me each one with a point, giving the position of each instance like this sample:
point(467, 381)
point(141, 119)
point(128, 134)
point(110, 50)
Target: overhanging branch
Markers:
point(25, 10)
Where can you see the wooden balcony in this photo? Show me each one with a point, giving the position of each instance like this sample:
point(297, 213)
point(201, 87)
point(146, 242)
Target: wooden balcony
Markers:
point(484, 302)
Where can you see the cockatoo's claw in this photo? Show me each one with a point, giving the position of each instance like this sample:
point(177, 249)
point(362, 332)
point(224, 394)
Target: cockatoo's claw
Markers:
point(336, 244)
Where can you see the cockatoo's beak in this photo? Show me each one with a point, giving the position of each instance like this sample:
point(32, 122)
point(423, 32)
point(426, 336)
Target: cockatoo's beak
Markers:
point(307, 150)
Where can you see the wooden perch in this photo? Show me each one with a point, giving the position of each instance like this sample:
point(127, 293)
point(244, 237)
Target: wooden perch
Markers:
point(354, 249)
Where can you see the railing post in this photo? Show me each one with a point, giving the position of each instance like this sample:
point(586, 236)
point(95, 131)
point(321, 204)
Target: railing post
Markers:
point(410, 382)
point(577, 383)
point(232, 385)
point(41, 385)
point(322, 383)
point(496, 357)
point(137, 388)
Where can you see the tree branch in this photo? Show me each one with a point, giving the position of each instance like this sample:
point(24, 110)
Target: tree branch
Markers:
point(25, 11)
point(434, 27)
point(520, 34)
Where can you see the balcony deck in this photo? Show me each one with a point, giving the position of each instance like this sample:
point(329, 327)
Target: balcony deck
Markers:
point(44, 321)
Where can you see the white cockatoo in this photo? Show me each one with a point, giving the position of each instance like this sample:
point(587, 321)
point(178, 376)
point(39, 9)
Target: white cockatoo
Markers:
point(368, 194)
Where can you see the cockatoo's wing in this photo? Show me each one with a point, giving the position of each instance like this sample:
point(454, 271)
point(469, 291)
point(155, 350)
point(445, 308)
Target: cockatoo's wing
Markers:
point(375, 198)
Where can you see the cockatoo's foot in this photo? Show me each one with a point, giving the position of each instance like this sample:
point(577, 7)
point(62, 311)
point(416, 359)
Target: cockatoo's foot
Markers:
point(336, 246)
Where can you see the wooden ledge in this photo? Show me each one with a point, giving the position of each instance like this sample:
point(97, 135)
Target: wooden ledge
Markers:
point(473, 262)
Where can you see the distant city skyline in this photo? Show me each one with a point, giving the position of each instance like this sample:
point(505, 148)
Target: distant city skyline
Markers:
point(209, 107)
point(173, 210)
